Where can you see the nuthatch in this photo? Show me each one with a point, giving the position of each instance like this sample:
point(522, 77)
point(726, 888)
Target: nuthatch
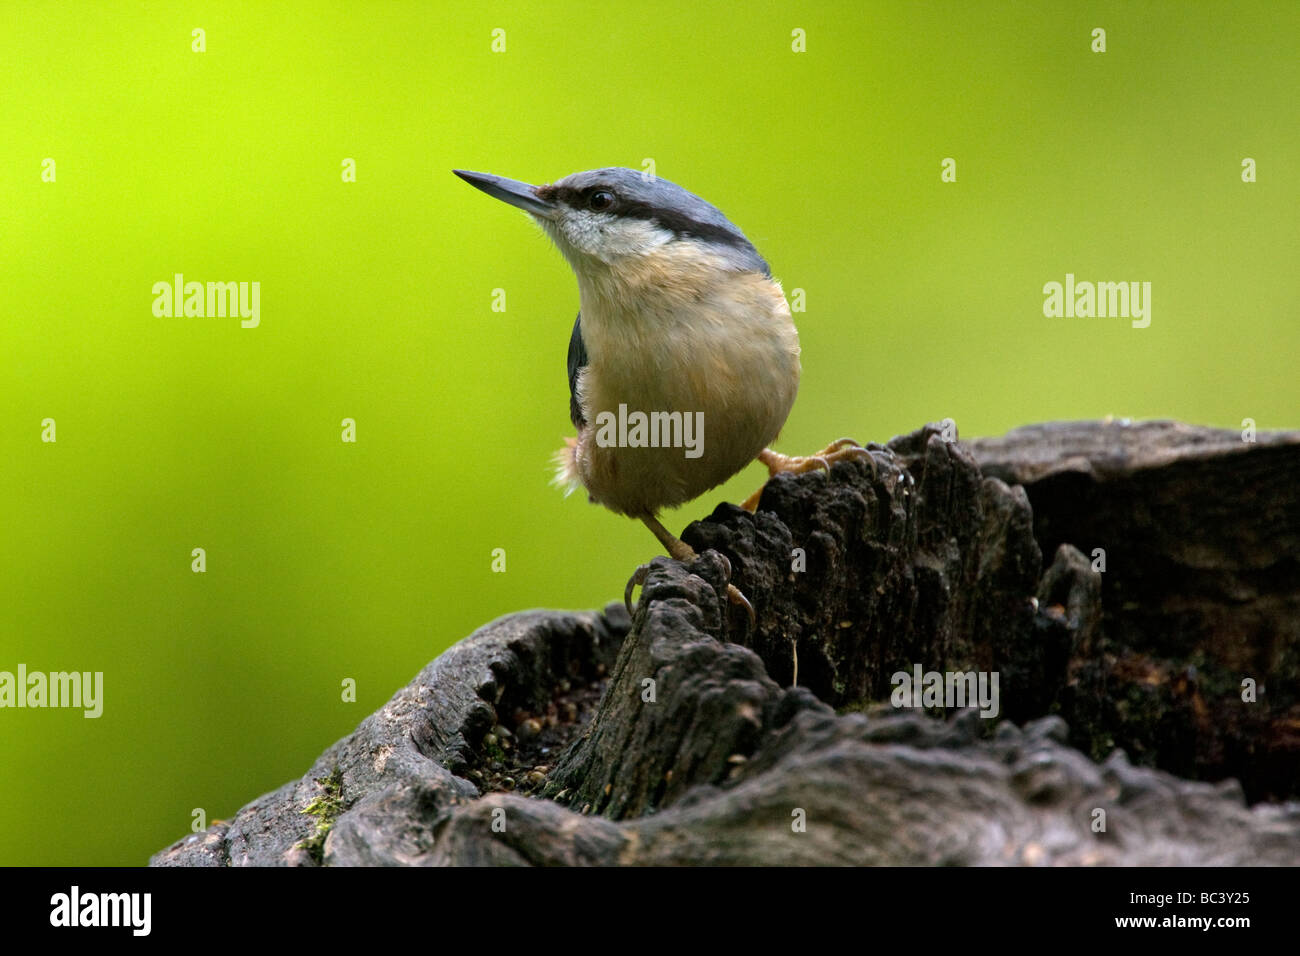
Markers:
point(680, 322)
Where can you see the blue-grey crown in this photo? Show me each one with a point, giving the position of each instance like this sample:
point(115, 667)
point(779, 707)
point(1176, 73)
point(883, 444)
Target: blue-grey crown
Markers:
point(657, 200)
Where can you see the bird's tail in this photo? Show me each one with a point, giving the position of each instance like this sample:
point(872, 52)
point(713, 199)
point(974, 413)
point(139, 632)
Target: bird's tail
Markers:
point(566, 467)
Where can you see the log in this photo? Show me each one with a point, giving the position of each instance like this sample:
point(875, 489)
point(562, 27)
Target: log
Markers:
point(682, 736)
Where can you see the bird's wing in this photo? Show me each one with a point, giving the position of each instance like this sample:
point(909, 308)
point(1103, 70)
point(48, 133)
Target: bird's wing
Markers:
point(577, 362)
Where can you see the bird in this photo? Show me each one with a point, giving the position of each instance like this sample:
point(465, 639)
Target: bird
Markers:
point(682, 335)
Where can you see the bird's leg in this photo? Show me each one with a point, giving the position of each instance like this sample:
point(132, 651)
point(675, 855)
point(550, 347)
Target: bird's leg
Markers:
point(679, 550)
point(838, 450)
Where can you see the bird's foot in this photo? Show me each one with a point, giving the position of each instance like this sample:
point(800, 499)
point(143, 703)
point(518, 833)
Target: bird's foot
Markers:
point(838, 450)
point(737, 597)
point(841, 449)
point(734, 594)
point(635, 581)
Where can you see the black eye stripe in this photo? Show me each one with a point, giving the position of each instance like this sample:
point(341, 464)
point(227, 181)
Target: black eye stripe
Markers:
point(624, 207)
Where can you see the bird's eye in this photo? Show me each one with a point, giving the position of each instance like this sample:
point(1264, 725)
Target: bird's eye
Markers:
point(601, 200)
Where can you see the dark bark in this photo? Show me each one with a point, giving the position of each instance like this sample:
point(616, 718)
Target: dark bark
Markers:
point(1201, 534)
point(681, 740)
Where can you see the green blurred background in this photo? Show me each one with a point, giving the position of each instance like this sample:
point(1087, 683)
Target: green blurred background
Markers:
point(329, 560)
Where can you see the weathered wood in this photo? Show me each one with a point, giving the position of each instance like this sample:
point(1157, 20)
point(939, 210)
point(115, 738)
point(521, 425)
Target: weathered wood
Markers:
point(680, 740)
point(1201, 537)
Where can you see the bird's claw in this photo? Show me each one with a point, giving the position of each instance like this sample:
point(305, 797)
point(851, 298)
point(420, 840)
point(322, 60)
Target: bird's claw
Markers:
point(635, 581)
point(846, 448)
point(838, 450)
point(735, 596)
point(858, 453)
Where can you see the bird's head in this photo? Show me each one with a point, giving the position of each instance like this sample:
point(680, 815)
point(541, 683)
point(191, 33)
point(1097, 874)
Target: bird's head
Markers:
point(605, 217)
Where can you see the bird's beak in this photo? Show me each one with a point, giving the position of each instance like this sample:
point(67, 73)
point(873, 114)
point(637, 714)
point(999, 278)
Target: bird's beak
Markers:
point(512, 191)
